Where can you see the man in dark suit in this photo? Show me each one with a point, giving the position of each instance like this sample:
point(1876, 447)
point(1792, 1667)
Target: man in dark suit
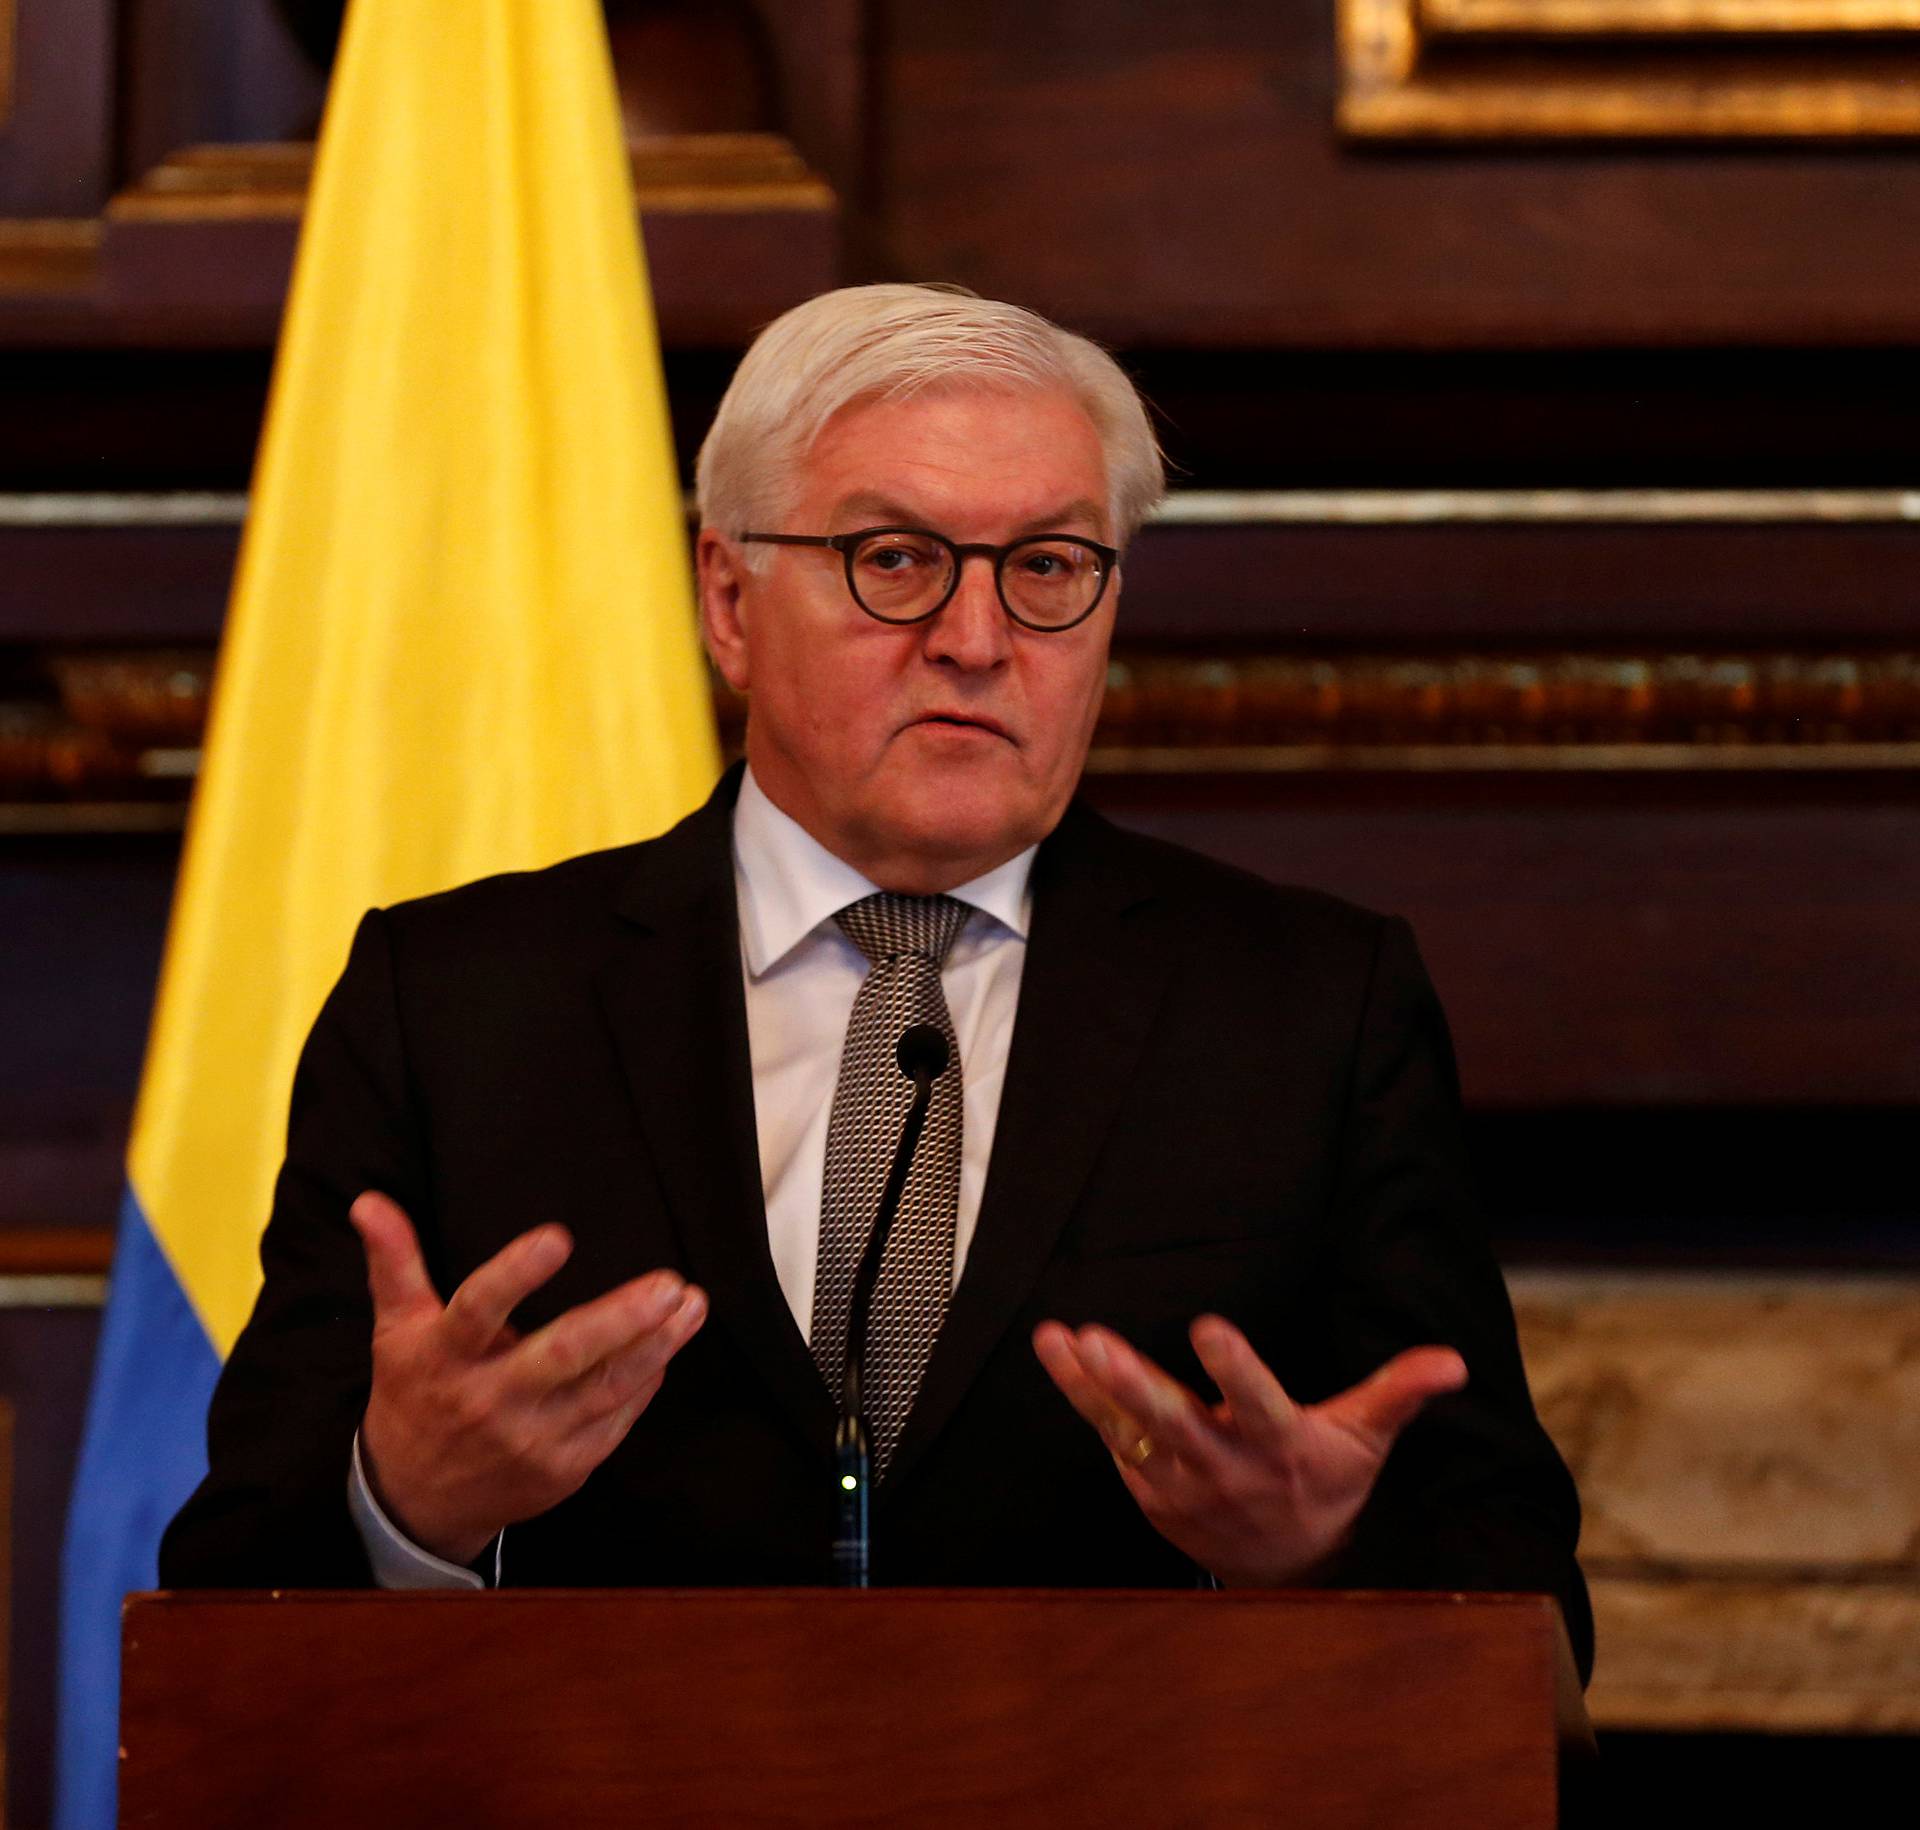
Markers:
point(1196, 1134)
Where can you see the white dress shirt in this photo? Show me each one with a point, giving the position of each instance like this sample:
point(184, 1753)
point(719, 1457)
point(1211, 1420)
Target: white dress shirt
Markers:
point(802, 975)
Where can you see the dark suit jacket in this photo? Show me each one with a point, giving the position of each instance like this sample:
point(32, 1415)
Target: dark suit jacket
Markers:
point(1221, 1096)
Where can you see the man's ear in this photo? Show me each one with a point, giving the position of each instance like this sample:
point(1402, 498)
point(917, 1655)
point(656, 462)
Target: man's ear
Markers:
point(720, 578)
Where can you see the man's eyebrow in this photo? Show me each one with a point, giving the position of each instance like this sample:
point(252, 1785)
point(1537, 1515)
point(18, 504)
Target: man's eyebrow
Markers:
point(895, 514)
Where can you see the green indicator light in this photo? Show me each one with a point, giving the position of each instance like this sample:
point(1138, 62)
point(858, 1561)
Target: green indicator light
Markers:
point(849, 1481)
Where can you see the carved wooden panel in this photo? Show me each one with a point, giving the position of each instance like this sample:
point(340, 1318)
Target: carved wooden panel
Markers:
point(1296, 570)
point(169, 144)
point(6, 1579)
point(46, 1351)
point(194, 71)
point(1613, 69)
point(1640, 940)
point(56, 102)
point(737, 228)
point(1175, 180)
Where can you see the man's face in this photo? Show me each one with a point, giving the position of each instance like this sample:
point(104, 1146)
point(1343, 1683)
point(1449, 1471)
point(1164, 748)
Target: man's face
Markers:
point(923, 755)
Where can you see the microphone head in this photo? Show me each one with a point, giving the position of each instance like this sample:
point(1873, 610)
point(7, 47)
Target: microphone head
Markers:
point(922, 1053)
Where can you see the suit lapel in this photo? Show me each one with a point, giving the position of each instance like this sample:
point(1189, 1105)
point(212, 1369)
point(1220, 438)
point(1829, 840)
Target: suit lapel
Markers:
point(674, 1000)
point(1094, 977)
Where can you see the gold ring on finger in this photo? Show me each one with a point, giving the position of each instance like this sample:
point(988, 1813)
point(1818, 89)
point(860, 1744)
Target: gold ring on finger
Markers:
point(1141, 1449)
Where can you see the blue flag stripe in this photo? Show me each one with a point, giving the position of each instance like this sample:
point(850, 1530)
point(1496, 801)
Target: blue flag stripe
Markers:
point(144, 1452)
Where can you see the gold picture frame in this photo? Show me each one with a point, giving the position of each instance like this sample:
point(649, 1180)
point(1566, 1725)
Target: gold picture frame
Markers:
point(1629, 69)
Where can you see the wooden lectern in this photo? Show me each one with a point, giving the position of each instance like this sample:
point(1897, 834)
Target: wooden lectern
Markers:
point(922, 1707)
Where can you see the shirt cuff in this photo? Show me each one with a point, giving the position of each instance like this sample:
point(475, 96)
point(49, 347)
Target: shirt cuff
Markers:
point(398, 1562)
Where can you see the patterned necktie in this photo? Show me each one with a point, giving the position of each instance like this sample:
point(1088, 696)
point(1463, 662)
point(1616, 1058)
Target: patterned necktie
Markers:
point(905, 939)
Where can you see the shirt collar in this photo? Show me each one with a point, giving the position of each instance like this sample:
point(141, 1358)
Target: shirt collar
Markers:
point(789, 883)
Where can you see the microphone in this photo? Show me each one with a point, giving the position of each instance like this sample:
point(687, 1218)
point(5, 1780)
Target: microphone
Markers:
point(922, 1055)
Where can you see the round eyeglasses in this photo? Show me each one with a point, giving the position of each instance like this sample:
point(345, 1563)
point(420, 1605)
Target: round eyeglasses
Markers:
point(1047, 582)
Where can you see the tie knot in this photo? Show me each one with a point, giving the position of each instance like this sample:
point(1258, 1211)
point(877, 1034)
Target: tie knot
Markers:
point(884, 925)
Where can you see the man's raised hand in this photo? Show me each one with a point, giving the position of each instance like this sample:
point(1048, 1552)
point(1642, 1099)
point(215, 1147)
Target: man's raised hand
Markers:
point(471, 1427)
point(1256, 1489)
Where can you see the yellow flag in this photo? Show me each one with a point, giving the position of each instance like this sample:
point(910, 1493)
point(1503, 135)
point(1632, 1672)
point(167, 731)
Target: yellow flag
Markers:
point(461, 637)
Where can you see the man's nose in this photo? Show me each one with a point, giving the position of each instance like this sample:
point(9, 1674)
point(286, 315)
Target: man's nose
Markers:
point(971, 630)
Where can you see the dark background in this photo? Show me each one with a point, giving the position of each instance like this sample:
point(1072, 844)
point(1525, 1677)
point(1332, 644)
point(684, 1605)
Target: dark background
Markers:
point(1685, 996)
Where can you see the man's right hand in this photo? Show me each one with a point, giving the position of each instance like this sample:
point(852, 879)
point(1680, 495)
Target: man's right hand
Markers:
point(471, 1428)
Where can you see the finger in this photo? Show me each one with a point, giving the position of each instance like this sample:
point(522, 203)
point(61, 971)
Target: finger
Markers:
point(1058, 1353)
point(396, 1273)
point(612, 1382)
point(1386, 1401)
point(1174, 1419)
point(597, 1438)
point(572, 1346)
point(1262, 1412)
point(478, 1310)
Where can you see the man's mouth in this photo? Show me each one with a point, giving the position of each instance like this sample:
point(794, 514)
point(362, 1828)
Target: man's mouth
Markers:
point(965, 721)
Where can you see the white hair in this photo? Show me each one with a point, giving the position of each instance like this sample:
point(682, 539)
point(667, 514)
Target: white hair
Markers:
point(889, 342)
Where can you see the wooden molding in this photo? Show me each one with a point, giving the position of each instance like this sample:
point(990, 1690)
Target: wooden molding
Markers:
point(1658, 19)
point(49, 255)
point(220, 183)
point(1498, 759)
point(90, 819)
point(672, 174)
point(55, 1251)
point(737, 228)
point(1628, 69)
point(120, 752)
point(727, 171)
point(1579, 700)
point(1660, 508)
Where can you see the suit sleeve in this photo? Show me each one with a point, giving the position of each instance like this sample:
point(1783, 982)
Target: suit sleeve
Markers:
point(1474, 1494)
point(272, 1511)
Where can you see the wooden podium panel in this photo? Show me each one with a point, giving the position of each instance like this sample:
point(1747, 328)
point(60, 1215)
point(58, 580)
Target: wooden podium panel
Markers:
point(921, 1707)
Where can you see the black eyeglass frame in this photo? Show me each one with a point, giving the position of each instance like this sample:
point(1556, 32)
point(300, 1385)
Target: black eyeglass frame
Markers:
point(847, 544)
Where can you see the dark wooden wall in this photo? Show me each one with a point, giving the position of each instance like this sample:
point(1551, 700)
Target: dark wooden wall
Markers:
point(1685, 985)
point(1172, 175)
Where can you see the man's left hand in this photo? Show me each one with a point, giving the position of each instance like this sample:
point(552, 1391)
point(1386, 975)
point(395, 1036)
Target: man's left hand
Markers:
point(1256, 1489)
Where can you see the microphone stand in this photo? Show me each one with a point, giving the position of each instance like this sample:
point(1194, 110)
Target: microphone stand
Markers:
point(922, 1057)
